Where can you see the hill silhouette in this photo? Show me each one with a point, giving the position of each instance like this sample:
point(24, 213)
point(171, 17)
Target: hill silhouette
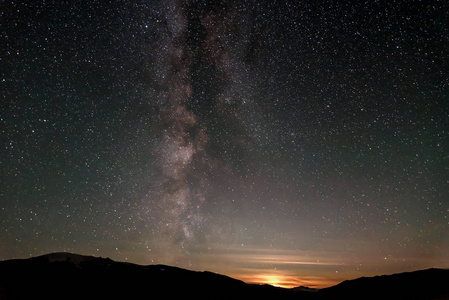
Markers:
point(423, 284)
point(73, 276)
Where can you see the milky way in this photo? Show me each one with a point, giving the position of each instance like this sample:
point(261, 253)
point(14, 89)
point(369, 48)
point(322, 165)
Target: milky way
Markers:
point(290, 142)
point(176, 198)
point(181, 153)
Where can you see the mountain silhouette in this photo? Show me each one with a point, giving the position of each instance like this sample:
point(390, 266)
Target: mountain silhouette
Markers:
point(74, 276)
point(417, 285)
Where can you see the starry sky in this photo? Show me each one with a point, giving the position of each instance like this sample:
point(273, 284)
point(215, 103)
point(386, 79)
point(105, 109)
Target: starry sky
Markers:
point(282, 142)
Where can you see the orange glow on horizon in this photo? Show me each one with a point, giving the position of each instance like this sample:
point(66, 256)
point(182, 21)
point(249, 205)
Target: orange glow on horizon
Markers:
point(285, 281)
point(274, 280)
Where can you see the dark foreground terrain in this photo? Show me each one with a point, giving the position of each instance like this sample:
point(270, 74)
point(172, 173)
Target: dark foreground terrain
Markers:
point(72, 276)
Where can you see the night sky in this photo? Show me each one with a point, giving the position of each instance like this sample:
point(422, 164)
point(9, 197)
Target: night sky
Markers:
point(282, 142)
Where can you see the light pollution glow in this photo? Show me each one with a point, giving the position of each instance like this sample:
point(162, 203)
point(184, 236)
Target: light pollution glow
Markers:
point(277, 267)
point(287, 268)
point(286, 281)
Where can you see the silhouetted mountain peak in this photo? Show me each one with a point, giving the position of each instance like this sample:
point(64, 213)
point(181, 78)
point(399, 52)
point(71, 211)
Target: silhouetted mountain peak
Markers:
point(66, 257)
point(304, 289)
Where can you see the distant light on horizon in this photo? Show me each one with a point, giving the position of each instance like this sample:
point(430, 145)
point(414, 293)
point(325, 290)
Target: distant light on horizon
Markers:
point(286, 281)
